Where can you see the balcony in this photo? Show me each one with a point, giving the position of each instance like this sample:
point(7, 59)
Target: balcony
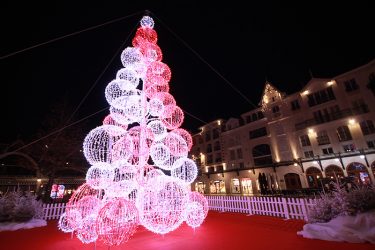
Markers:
point(332, 117)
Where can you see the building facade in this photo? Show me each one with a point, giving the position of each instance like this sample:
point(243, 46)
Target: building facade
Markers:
point(293, 142)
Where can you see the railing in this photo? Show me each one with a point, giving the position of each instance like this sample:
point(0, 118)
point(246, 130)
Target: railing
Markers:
point(53, 211)
point(289, 208)
point(362, 109)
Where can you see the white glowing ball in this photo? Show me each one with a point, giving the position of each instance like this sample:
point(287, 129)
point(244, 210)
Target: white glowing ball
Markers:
point(195, 196)
point(176, 144)
point(108, 120)
point(159, 153)
point(185, 170)
point(131, 57)
point(194, 214)
point(129, 75)
point(75, 210)
point(142, 138)
point(124, 181)
point(117, 221)
point(100, 175)
point(162, 206)
point(87, 232)
point(158, 129)
point(131, 106)
point(88, 205)
point(98, 143)
point(156, 107)
point(64, 224)
point(113, 91)
point(119, 116)
point(123, 148)
point(147, 21)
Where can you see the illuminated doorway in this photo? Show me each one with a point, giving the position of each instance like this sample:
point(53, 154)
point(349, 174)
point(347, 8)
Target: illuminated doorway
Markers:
point(247, 187)
point(236, 186)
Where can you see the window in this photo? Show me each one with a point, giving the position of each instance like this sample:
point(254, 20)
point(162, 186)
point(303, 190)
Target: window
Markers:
point(275, 109)
point(209, 159)
point(351, 85)
point(242, 165)
point(305, 141)
point(208, 135)
point(260, 115)
point(258, 133)
point(367, 127)
point(349, 147)
point(218, 157)
point(211, 169)
point(327, 151)
point(262, 155)
point(371, 144)
point(254, 117)
point(323, 138)
point(343, 133)
point(209, 148)
point(308, 154)
point(295, 104)
point(239, 153)
point(219, 169)
point(217, 146)
point(320, 97)
point(215, 133)
point(248, 119)
point(200, 140)
point(232, 154)
point(236, 186)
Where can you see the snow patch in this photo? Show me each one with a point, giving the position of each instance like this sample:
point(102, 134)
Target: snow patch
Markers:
point(12, 226)
point(359, 228)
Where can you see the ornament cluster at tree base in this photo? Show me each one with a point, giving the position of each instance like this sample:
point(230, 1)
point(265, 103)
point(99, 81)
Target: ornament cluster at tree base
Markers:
point(140, 173)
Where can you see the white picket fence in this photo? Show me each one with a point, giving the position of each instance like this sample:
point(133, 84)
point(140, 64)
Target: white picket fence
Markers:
point(53, 211)
point(289, 208)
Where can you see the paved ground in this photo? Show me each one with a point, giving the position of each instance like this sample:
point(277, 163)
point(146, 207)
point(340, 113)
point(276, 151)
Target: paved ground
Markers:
point(219, 231)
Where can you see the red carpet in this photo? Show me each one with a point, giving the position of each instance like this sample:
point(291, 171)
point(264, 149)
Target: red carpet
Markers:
point(219, 231)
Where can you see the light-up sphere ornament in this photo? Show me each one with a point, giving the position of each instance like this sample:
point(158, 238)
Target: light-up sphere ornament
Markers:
point(87, 233)
point(148, 22)
point(185, 169)
point(195, 196)
point(76, 210)
point(196, 209)
point(64, 224)
point(162, 205)
point(100, 175)
point(99, 142)
point(117, 221)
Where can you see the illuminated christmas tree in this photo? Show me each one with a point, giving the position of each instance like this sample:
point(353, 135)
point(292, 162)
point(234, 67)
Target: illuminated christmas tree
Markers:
point(140, 173)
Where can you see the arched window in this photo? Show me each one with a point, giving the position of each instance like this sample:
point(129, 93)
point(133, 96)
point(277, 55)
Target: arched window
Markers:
point(313, 175)
point(262, 155)
point(359, 172)
point(334, 172)
point(292, 181)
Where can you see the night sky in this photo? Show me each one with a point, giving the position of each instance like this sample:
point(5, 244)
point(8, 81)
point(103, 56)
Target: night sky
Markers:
point(246, 45)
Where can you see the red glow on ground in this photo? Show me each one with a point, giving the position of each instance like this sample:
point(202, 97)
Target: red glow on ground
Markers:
point(219, 231)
